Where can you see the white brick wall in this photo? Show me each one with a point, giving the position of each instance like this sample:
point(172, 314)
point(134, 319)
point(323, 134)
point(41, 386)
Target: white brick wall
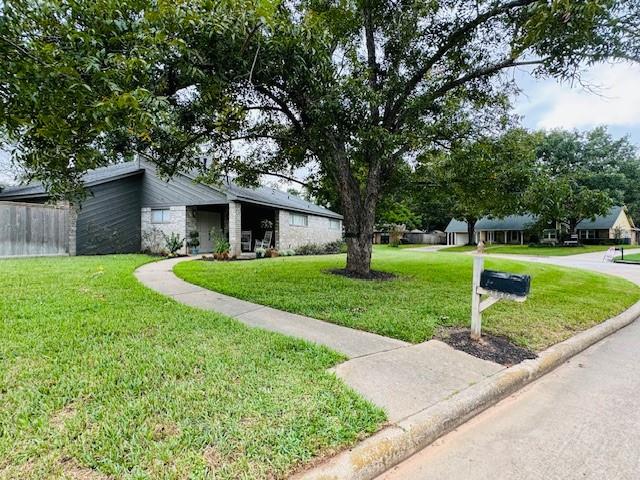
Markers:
point(235, 228)
point(317, 231)
point(152, 238)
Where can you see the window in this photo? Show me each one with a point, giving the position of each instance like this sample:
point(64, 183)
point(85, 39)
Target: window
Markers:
point(334, 224)
point(298, 220)
point(160, 215)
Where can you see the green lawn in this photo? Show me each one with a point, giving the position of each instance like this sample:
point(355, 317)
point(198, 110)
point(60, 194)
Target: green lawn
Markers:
point(102, 378)
point(633, 257)
point(433, 290)
point(527, 250)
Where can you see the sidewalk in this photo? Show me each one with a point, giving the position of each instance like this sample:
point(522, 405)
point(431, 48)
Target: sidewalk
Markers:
point(397, 376)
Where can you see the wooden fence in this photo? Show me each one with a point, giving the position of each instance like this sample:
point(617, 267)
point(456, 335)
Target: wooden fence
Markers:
point(30, 229)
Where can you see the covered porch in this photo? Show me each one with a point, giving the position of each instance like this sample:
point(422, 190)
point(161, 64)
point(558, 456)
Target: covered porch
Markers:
point(512, 237)
point(244, 225)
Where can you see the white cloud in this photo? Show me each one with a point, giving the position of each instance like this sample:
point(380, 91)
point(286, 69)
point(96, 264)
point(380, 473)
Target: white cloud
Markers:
point(616, 101)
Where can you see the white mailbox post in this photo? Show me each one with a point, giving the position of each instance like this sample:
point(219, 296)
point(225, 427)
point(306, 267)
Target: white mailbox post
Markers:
point(496, 286)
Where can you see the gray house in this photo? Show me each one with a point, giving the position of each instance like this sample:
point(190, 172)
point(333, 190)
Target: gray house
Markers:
point(615, 225)
point(511, 229)
point(129, 208)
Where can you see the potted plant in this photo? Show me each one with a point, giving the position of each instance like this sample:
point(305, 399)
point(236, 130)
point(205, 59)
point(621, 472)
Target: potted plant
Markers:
point(266, 224)
point(194, 242)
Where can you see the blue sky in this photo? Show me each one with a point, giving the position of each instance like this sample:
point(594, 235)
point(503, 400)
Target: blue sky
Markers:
point(612, 98)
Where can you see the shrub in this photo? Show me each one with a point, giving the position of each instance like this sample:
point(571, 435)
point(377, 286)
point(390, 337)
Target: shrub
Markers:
point(324, 249)
point(287, 252)
point(261, 252)
point(220, 243)
point(173, 243)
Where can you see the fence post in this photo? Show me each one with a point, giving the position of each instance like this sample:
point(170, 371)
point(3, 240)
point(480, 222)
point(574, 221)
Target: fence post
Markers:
point(476, 315)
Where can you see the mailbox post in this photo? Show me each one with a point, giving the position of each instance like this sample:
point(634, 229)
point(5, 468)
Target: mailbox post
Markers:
point(496, 286)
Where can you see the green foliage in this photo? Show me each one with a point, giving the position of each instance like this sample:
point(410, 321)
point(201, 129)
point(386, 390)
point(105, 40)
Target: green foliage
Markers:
point(173, 242)
point(358, 89)
point(220, 241)
point(320, 249)
point(580, 176)
point(194, 239)
point(103, 377)
point(484, 177)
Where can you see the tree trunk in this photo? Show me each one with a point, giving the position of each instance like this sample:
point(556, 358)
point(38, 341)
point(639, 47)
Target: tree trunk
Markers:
point(359, 207)
point(471, 230)
point(359, 254)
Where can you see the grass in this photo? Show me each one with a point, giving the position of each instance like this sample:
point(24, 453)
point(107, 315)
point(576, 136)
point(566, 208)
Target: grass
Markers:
point(102, 378)
point(433, 290)
point(633, 257)
point(527, 250)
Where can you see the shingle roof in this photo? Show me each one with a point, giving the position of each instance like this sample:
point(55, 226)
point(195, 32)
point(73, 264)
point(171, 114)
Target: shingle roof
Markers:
point(602, 222)
point(92, 177)
point(511, 222)
point(261, 195)
point(276, 198)
point(456, 226)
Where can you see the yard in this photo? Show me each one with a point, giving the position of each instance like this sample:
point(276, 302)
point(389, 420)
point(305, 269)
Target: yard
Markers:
point(527, 250)
point(433, 290)
point(102, 378)
point(633, 257)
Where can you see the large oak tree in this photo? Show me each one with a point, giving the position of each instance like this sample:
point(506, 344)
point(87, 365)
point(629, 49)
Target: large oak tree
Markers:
point(349, 90)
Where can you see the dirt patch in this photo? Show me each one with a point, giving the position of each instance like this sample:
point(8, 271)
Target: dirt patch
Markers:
point(212, 457)
point(372, 275)
point(67, 412)
point(165, 430)
point(489, 347)
point(75, 471)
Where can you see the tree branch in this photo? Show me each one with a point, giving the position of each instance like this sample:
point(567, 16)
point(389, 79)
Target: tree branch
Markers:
point(449, 43)
point(282, 104)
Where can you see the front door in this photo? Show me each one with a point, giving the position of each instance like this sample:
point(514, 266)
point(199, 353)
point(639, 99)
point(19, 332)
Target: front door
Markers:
point(206, 222)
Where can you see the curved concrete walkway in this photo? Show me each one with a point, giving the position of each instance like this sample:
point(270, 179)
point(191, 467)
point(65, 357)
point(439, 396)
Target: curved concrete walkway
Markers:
point(397, 376)
point(159, 276)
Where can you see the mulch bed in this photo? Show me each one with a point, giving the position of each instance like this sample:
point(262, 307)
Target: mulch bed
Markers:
point(496, 349)
point(373, 274)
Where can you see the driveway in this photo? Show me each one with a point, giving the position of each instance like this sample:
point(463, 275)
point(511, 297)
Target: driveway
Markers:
point(587, 261)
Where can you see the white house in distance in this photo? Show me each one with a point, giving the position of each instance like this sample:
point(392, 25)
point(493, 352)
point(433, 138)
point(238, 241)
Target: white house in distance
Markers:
point(511, 229)
point(616, 224)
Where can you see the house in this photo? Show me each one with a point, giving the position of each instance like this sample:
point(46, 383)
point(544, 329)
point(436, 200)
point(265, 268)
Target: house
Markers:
point(616, 225)
point(129, 207)
point(511, 229)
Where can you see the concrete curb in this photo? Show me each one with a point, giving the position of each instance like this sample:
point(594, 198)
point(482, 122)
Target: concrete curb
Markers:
point(395, 443)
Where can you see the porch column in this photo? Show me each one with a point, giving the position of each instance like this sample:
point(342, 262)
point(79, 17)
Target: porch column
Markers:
point(521, 238)
point(235, 228)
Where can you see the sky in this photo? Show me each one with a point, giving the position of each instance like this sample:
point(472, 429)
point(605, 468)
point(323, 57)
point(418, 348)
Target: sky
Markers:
point(612, 98)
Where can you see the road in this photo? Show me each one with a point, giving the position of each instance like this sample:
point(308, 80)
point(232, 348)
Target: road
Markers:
point(581, 421)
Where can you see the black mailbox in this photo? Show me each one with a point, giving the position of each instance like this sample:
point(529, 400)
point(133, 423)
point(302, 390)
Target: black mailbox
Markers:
point(504, 282)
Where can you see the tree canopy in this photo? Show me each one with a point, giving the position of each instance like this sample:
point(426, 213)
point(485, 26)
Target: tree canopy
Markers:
point(352, 90)
point(581, 176)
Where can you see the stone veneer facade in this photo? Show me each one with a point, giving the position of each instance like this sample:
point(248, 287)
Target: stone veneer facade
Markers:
point(183, 220)
point(180, 222)
point(317, 231)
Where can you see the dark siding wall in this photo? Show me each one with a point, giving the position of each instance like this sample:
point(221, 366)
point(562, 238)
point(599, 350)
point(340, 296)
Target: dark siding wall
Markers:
point(109, 220)
point(180, 190)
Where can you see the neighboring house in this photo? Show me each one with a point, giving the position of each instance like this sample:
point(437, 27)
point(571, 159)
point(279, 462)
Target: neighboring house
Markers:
point(514, 229)
point(511, 229)
point(129, 208)
point(615, 225)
